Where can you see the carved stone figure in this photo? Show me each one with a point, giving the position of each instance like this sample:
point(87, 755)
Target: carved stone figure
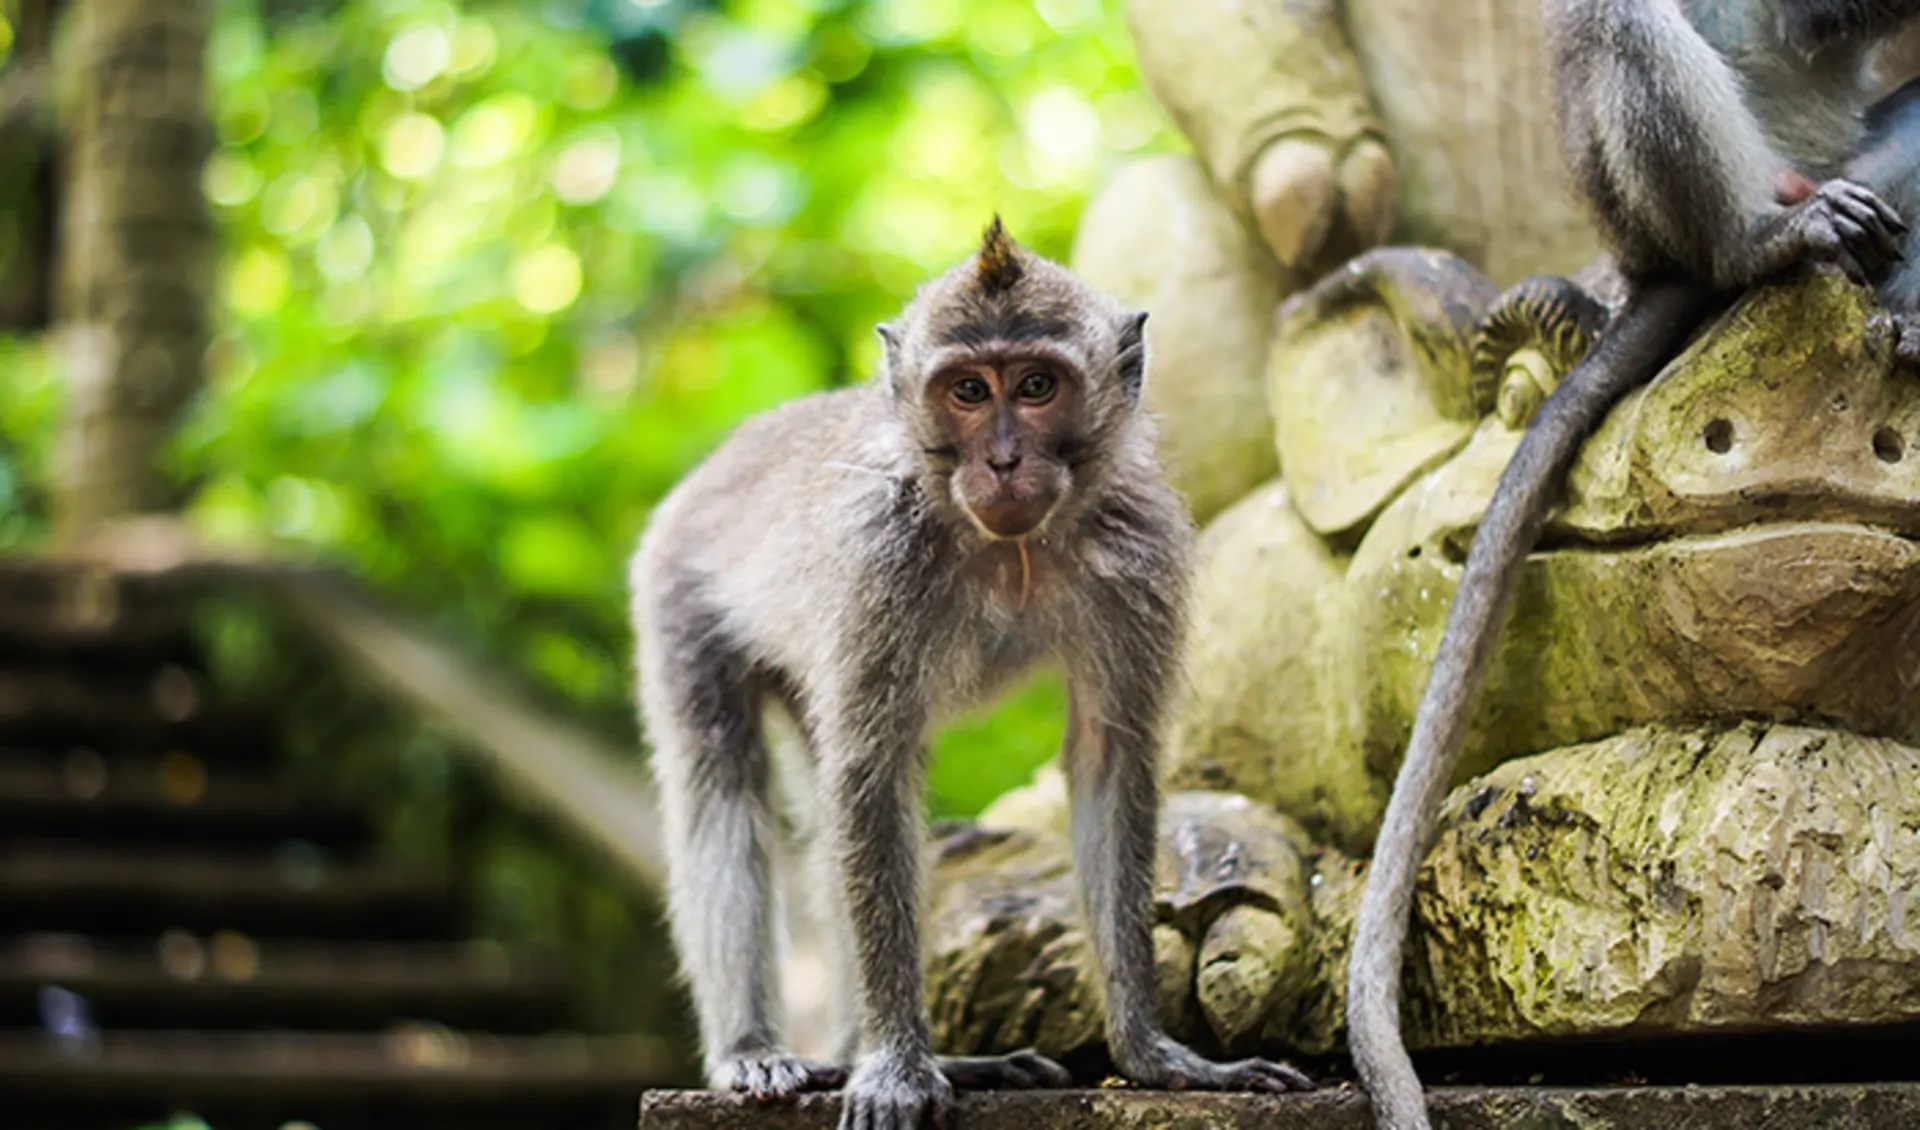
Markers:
point(1315, 115)
point(1736, 543)
point(1322, 128)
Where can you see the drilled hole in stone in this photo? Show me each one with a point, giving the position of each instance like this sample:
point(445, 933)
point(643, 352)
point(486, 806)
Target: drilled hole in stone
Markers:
point(1719, 436)
point(1888, 445)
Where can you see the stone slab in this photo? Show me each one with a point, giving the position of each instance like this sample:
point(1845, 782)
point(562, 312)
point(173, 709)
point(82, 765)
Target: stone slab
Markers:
point(1839, 1106)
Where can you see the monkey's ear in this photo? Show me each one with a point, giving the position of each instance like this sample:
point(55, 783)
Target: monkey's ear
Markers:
point(889, 354)
point(1131, 364)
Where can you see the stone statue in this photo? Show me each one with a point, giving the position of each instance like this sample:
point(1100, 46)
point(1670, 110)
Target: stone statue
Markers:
point(1736, 545)
point(1691, 797)
point(1321, 128)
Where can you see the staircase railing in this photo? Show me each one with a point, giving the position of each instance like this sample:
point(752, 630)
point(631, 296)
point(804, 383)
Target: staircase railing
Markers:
point(589, 788)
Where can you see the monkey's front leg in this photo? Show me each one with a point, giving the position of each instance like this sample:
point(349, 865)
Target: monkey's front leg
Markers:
point(873, 768)
point(1110, 763)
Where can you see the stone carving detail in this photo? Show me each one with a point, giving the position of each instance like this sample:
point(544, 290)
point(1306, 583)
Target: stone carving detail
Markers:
point(1690, 799)
point(1737, 542)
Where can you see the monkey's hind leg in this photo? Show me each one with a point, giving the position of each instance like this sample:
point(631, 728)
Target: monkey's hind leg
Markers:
point(713, 765)
point(1889, 163)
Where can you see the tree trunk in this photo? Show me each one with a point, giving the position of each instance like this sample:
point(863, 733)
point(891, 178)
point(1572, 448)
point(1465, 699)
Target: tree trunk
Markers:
point(137, 252)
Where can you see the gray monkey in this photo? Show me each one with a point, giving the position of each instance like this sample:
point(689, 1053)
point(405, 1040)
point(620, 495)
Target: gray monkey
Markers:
point(1718, 143)
point(869, 561)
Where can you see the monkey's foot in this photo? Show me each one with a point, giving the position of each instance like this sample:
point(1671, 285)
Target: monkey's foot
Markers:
point(1170, 1064)
point(1020, 1071)
point(892, 1092)
point(776, 1076)
point(1906, 339)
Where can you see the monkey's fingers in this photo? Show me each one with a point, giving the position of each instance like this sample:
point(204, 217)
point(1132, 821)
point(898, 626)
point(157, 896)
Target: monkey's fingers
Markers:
point(1906, 340)
point(777, 1078)
point(1022, 1070)
point(1868, 252)
point(1266, 1076)
point(1876, 220)
point(1859, 198)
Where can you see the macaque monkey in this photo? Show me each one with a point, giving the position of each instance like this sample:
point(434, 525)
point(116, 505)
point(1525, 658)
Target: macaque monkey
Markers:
point(871, 560)
point(1719, 143)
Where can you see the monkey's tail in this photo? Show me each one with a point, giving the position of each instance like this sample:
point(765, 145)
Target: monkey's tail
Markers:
point(1647, 331)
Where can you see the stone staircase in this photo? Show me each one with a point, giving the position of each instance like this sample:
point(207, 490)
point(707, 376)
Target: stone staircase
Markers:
point(182, 929)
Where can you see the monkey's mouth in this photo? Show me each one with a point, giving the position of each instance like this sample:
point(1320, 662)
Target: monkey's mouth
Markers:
point(1011, 519)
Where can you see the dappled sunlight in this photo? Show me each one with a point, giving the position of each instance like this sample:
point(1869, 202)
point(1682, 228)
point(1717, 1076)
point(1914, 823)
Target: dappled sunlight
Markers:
point(493, 277)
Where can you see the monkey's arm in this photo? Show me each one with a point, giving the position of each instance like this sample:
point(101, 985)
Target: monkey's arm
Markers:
point(1663, 142)
point(1117, 693)
point(870, 732)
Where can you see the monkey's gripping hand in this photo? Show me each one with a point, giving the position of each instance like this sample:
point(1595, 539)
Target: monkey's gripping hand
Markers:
point(892, 1091)
point(1842, 223)
point(1168, 1063)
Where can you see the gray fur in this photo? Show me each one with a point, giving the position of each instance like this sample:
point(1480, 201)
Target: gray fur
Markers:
point(821, 560)
point(1678, 117)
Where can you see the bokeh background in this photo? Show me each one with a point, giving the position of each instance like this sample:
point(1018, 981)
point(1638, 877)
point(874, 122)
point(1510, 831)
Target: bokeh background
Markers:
point(494, 275)
point(490, 278)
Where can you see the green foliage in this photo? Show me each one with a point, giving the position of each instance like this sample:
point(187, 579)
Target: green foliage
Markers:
point(495, 275)
point(484, 300)
point(30, 400)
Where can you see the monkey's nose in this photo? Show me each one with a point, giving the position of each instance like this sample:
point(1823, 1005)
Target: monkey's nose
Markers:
point(1004, 464)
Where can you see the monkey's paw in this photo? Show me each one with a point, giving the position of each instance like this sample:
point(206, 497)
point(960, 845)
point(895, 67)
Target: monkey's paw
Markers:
point(1904, 328)
point(1020, 1071)
point(1172, 1065)
point(892, 1092)
point(776, 1076)
point(1845, 224)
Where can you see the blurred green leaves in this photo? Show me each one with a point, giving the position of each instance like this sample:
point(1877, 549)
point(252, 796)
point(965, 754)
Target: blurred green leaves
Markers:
point(495, 275)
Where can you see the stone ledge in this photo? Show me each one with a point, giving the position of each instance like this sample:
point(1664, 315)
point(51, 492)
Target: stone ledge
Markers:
point(1839, 1106)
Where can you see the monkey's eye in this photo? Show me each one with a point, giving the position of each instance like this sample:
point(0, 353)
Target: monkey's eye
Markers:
point(1037, 386)
point(972, 390)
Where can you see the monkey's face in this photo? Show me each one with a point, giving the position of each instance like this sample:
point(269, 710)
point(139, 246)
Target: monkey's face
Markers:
point(1008, 429)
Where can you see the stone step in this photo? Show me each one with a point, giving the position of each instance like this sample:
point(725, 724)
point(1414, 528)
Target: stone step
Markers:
point(412, 1076)
point(171, 798)
point(128, 890)
point(59, 705)
point(228, 980)
point(1841, 1106)
point(57, 613)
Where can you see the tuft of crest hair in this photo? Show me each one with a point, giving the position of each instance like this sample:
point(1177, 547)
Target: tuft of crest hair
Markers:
point(998, 268)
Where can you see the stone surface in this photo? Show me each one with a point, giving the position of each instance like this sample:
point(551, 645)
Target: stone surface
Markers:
point(1010, 965)
point(1262, 582)
point(1245, 79)
point(1778, 577)
point(1881, 1106)
point(1461, 92)
point(1705, 879)
point(1741, 537)
point(1674, 880)
point(1325, 121)
point(1158, 239)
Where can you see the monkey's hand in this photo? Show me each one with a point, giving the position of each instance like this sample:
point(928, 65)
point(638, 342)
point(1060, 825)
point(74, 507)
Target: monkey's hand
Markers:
point(1902, 329)
point(1020, 1071)
point(889, 1091)
point(1166, 1062)
point(1842, 223)
point(776, 1076)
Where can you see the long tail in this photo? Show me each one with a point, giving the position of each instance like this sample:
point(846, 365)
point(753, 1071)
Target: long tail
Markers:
point(1648, 331)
